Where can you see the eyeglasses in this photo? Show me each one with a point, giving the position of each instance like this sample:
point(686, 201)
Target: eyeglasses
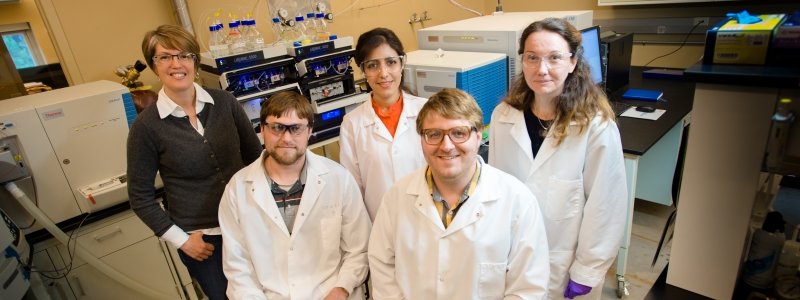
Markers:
point(373, 66)
point(458, 135)
point(167, 58)
point(279, 129)
point(554, 60)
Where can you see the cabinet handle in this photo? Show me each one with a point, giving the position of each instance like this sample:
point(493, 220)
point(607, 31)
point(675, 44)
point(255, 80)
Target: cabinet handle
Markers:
point(60, 290)
point(102, 237)
point(78, 286)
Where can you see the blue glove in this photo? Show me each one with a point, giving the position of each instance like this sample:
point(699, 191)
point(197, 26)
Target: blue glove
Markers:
point(575, 289)
point(744, 17)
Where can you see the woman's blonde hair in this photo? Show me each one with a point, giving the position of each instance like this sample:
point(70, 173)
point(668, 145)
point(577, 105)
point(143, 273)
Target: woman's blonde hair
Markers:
point(580, 100)
point(452, 104)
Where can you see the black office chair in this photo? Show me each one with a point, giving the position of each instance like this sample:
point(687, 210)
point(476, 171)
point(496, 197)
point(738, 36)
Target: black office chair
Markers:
point(676, 187)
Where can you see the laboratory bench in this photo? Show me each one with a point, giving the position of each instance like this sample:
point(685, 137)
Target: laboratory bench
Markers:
point(639, 135)
point(731, 119)
point(651, 148)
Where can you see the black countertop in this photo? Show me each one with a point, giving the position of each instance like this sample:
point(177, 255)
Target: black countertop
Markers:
point(747, 75)
point(638, 135)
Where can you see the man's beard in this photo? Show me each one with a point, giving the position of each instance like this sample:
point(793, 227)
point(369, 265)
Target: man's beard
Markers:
point(287, 158)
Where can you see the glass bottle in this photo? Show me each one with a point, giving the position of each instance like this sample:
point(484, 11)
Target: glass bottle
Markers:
point(236, 43)
point(216, 42)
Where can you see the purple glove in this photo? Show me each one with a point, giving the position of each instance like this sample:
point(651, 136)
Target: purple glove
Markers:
point(575, 289)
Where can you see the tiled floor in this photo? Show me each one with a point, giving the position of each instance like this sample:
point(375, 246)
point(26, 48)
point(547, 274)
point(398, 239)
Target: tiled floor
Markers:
point(648, 223)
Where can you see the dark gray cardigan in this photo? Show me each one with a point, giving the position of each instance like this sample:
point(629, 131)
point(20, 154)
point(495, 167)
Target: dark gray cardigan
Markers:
point(194, 168)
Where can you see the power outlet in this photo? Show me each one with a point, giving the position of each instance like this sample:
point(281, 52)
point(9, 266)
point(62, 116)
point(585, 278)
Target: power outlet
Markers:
point(661, 29)
point(701, 21)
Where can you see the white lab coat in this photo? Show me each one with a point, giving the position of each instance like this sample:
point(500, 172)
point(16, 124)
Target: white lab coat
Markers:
point(581, 188)
point(327, 247)
point(373, 156)
point(495, 248)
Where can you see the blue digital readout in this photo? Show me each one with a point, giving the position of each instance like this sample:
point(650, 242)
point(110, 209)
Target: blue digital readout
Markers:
point(331, 114)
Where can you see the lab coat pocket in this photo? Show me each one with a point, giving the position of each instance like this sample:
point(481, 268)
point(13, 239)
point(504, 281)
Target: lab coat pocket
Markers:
point(492, 280)
point(331, 233)
point(563, 198)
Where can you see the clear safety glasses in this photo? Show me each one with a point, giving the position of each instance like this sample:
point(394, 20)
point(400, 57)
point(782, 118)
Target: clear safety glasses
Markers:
point(553, 60)
point(279, 129)
point(373, 66)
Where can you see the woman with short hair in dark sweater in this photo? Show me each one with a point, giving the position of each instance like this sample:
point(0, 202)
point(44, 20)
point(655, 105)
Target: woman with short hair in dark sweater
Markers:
point(196, 139)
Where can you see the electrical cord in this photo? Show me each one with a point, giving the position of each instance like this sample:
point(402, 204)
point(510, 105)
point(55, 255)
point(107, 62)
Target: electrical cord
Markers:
point(459, 5)
point(349, 7)
point(679, 47)
point(70, 252)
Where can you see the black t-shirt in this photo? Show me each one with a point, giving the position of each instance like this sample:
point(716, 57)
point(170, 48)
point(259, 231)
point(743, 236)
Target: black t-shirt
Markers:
point(535, 130)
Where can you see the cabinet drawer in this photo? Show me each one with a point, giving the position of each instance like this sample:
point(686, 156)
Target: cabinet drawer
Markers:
point(113, 237)
point(142, 262)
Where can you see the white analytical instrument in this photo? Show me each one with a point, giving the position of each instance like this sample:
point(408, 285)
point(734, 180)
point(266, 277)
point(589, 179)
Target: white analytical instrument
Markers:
point(493, 33)
point(73, 142)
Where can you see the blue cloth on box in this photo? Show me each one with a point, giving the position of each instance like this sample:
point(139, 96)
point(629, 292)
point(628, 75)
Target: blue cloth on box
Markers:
point(744, 17)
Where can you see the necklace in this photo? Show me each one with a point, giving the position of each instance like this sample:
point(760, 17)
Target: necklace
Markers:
point(542, 124)
point(543, 132)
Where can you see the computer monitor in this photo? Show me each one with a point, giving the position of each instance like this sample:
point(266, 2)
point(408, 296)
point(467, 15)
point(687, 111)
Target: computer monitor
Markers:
point(591, 52)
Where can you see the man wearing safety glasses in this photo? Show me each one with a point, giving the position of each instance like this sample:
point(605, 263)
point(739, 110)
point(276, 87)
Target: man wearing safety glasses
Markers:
point(457, 228)
point(294, 223)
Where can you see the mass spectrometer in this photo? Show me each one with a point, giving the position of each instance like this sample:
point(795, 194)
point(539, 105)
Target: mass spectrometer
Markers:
point(482, 75)
point(495, 33)
point(73, 140)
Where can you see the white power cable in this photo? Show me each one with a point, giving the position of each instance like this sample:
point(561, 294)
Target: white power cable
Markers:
point(82, 253)
point(459, 5)
point(346, 9)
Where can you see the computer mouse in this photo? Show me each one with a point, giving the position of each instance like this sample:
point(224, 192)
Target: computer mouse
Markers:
point(647, 109)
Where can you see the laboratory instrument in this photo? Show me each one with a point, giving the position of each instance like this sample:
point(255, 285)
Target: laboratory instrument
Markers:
point(495, 33)
point(482, 75)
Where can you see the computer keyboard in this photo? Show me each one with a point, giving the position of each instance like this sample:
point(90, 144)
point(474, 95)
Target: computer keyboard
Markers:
point(619, 107)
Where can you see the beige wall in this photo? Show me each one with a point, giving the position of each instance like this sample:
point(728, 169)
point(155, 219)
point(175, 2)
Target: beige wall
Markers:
point(642, 54)
point(365, 15)
point(94, 37)
point(26, 11)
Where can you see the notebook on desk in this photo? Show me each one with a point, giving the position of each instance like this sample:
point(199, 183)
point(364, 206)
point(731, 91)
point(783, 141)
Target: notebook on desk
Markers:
point(643, 94)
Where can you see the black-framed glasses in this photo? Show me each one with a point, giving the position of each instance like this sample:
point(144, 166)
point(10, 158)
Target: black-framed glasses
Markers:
point(167, 58)
point(373, 66)
point(279, 129)
point(458, 135)
point(553, 60)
